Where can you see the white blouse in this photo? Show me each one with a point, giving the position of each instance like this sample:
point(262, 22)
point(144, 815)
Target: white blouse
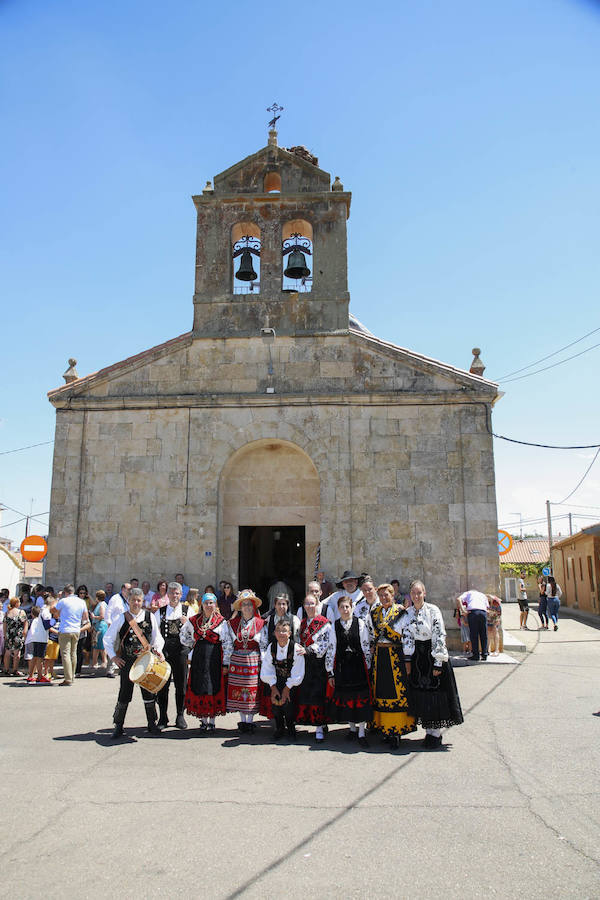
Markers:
point(423, 625)
point(322, 646)
point(186, 636)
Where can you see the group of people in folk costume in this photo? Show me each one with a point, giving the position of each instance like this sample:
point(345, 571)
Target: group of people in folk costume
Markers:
point(369, 663)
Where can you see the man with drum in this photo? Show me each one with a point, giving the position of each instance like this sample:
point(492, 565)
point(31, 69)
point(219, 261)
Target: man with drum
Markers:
point(170, 619)
point(128, 635)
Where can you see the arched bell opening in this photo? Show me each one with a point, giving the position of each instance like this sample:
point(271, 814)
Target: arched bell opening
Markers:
point(297, 255)
point(245, 257)
point(272, 183)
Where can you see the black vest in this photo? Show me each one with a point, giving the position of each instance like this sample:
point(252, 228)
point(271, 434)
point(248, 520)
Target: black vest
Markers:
point(170, 628)
point(131, 646)
point(283, 667)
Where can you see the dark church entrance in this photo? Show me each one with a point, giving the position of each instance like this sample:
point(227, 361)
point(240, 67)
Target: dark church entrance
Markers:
point(270, 553)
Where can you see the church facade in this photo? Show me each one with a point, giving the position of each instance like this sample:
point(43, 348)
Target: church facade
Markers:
point(278, 435)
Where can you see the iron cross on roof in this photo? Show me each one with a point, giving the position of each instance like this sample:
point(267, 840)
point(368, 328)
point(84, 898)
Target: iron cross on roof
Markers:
point(274, 109)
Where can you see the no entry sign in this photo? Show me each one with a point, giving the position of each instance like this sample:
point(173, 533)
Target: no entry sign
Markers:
point(34, 548)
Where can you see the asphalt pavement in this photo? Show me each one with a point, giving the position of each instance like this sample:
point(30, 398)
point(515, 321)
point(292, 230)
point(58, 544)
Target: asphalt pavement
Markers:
point(508, 808)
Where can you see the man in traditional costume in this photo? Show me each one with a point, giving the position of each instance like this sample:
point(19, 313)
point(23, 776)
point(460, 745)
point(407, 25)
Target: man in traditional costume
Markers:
point(347, 587)
point(282, 670)
point(351, 700)
point(170, 620)
point(132, 632)
point(315, 638)
point(209, 636)
point(391, 714)
point(432, 688)
point(248, 634)
point(281, 613)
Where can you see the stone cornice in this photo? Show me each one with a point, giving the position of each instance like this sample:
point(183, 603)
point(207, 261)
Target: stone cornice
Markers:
point(245, 401)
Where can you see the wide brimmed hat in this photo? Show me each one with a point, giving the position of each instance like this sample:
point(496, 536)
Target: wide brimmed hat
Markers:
point(246, 594)
point(347, 575)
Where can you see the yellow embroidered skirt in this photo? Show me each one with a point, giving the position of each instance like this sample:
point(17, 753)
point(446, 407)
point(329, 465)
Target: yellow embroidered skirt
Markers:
point(390, 703)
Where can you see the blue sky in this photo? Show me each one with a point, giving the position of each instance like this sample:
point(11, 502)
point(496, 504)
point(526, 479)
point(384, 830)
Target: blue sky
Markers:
point(467, 132)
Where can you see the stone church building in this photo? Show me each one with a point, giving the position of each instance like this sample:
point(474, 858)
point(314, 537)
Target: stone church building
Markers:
point(278, 431)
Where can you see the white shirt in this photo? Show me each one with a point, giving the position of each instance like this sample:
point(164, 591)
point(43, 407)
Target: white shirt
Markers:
point(39, 635)
point(322, 646)
point(148, 598)
point(173, 612)
point(423, 625)
point(116, 606)
point(333, 612)
point(112, 635)
point(474, 600)
point(267, 669)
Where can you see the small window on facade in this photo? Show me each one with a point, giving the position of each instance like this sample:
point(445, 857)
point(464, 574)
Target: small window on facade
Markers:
point(591, 573)
point(245, 255)
point(580, 570)
point(297, 256)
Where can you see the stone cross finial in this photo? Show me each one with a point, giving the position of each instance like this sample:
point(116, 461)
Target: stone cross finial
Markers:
point(208, 188)
point(477, 367)
point(71, 374)
point(337, 184)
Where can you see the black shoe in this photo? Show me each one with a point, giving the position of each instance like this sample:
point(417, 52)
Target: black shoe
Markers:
point(250, 726)
point(556, 627)
point(426, 743)
point(117, 732)
point(363, 741)
point(180, 722)
point(163, 722)
point(325, 729)
point(210, 726)
point(473, 658)
point(351, 736)
point(292, 732)
point(434, 742)
point(394, 742)
point(484, 658)
point(153, 729)
point(243, 727)
point(278, 734)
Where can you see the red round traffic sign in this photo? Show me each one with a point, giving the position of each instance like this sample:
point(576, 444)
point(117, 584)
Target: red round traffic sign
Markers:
point(34, 548)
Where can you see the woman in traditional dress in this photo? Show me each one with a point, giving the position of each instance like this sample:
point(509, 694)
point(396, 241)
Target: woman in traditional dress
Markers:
point(351, 700)
point(209, 636)
point(248, 635)
point(391, 716)
point(432, 688)
point(315, 638)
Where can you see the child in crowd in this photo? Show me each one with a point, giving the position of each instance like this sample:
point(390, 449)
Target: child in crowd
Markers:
point(40, 625)
point(494, 625)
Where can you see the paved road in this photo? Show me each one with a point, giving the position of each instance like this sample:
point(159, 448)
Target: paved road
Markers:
point(510, 809)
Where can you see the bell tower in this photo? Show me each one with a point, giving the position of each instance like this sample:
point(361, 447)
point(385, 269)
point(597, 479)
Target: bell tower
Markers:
point(271, 247)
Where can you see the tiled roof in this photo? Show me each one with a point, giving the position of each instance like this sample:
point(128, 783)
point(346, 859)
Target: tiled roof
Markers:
point(529, 550)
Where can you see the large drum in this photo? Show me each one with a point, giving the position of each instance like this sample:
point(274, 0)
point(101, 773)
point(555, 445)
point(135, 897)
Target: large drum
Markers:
point(150, 672)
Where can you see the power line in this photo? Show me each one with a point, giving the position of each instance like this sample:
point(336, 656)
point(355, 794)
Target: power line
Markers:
point(29, 446)
point(553, 366)
point(26, 515)
point(503, 437)
point(16, 522)
point(548, 356)
point(585, 474)
point(577, 506)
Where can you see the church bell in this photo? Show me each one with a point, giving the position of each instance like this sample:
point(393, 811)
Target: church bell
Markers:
point(296, 267)
point(246, 270)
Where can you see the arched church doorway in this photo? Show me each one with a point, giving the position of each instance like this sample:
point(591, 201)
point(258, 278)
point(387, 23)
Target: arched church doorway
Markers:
point(269, 499)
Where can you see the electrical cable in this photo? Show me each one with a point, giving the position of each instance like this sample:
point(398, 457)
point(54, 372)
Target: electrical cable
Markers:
point(553, 366)
point(16, 522)
point(585, 474)
point(29, 446)
point(502, 437)
point(548, 356)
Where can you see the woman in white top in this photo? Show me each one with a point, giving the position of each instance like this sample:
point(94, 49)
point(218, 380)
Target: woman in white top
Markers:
point(553, 595)
point(433, 696)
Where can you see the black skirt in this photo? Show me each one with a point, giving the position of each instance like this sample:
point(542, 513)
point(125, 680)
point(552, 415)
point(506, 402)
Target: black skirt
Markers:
point(433, 700)
point(205, 668)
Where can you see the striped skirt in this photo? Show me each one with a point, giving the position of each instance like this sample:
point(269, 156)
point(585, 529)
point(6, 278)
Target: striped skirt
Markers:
point(243, 681)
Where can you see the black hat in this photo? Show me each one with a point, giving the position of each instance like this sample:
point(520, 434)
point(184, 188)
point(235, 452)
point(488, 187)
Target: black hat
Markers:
point(347, 574)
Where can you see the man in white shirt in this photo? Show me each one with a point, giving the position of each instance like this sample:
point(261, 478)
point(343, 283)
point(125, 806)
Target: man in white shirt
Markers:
point(347, 587)
point(148, 594)
point(282, 670)
point(123, 646)
point(73, 614)
point(116, 606)
point(170, 619)
point(476, 606)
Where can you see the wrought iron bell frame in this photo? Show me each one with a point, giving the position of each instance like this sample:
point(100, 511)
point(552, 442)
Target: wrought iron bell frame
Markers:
point(247, 243)
point(298, 241)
